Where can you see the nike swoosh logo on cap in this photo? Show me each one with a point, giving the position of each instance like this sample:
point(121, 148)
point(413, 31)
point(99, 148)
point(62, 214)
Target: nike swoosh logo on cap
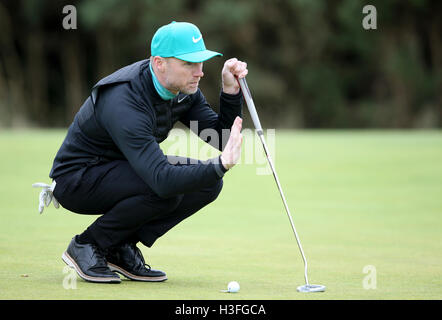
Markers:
point(196, 40)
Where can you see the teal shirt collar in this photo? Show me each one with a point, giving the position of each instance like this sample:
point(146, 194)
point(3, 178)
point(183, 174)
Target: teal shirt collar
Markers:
point(163, 92)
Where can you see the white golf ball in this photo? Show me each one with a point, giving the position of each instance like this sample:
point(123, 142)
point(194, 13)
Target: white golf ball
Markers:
point(233, 286)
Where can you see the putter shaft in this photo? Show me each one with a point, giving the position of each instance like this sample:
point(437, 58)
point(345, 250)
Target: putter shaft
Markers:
point(286, 207)
point(252, 110)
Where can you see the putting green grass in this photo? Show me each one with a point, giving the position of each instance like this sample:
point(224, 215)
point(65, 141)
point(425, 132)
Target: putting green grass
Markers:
point(359, 199)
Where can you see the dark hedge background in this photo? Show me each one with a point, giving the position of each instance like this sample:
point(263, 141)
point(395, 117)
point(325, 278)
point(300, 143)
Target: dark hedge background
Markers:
point(311, 63)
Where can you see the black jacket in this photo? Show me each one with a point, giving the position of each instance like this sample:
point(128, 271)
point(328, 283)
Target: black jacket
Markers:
point(125, 118)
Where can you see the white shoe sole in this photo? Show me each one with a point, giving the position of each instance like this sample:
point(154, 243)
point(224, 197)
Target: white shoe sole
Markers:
point(71, 263)
point(131, 276)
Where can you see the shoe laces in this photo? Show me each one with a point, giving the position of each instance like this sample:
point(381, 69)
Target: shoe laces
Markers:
point(100, 255)
point(139, 255)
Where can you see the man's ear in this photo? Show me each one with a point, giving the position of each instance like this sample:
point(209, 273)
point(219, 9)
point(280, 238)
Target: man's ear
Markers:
point(159, 63)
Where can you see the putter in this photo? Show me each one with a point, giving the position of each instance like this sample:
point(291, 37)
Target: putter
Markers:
point(252, 110)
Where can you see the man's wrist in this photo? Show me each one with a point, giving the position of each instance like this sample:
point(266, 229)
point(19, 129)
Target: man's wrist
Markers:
point(223, 163)
point(231, 90)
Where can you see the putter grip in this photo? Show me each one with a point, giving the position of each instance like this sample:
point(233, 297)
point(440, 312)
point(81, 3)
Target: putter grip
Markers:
point(250, 105)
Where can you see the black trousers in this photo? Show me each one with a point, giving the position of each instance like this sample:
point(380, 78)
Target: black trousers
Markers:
point(130, 210)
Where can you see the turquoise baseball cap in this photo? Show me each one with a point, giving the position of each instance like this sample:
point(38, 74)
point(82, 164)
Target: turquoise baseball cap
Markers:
point(181, 40)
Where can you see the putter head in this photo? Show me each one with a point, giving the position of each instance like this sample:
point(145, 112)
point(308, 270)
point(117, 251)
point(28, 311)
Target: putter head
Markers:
point(311, 288)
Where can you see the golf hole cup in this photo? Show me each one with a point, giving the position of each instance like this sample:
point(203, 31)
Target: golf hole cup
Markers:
point(233, 287)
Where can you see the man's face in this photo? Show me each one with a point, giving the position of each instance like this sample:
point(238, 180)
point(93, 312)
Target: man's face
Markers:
point(182, 76)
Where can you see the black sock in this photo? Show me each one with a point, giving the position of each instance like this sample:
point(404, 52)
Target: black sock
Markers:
point(85, 238)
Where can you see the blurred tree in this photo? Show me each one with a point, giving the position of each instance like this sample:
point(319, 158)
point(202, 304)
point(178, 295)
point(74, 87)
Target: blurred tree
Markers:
point(311, 63)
